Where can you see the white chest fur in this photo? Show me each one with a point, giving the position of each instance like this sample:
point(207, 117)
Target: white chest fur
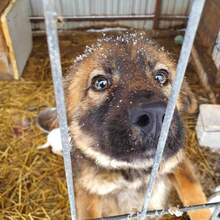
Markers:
point(128, 200)
point(123, 195)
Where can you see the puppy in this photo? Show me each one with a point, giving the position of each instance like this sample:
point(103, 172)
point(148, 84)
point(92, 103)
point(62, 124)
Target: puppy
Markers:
point(116, 97)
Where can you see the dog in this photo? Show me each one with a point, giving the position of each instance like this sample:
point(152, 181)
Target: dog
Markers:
point(116, 96)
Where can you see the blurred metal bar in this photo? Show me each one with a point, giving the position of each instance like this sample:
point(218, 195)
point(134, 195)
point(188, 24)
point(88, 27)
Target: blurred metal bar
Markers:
point(216, 212)
point(190, 33)
point(54, 52)
point(113, 18)
point(162, 212)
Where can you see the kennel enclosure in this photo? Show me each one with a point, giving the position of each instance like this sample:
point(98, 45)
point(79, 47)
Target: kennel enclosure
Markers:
point(140, 14)
point(193, 22)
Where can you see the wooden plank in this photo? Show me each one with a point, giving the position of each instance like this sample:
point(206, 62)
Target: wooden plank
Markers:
point(218, 77)
point(3, 5)
point(5, 67)
point(202, 75)
point(7, 37)
point(157, 11)
point(209, 25)
point(3, 55)
point(20, 32)
point(17, 33)
point(2, 42)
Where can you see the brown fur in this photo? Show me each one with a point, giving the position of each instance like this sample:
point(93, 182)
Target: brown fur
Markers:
point(189, 189)
point(104, 184)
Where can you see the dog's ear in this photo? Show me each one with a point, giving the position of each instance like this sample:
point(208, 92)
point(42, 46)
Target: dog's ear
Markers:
point(188, 100)
point(47, 119)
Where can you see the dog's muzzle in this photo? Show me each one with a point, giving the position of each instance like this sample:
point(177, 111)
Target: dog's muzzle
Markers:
point(147, 118)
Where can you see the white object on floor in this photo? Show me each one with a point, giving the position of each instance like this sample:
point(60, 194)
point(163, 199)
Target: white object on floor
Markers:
point(54, 141)
point(215, 198)
point(208, 126)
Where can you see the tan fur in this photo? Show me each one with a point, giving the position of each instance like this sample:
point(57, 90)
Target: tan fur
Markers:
point(114, 191)
point(189, 189)
point(88, 205)
point(78, 84)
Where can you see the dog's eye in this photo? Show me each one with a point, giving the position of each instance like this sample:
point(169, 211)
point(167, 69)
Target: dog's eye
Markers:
point(100, 83)
point(161, 76)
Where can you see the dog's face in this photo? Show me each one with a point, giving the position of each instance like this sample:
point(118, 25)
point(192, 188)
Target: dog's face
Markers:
point(116, 95)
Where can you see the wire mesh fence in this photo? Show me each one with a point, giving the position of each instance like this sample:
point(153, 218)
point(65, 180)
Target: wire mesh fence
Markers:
point(52, 38)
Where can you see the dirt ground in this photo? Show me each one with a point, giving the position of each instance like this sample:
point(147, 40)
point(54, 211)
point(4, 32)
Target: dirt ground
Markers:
point(32, 181)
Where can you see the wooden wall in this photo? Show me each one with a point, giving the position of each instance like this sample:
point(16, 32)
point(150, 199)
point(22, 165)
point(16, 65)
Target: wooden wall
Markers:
point(209, 25)
point(15, 37)
point(3, 5)
point(4, 64)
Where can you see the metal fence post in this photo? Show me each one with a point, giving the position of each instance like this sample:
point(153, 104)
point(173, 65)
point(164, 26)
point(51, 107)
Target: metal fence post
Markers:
point(190, 33)
point(54, 52)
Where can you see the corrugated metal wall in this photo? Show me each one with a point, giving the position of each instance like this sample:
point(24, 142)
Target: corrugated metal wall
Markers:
point(174, 7)
point(113, 7)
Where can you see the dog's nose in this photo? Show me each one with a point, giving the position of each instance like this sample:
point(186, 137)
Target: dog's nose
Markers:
point(148, 117)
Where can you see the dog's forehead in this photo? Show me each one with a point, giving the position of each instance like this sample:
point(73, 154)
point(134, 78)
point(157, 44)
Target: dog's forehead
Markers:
point(129, 52)
point(124, 48)
point(132, 54)
point(120, 59)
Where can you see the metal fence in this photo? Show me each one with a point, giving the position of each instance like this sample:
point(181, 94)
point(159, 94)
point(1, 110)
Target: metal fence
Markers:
point(52, 38)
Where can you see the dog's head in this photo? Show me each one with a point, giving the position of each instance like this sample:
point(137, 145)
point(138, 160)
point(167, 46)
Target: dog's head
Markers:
point(116, 95)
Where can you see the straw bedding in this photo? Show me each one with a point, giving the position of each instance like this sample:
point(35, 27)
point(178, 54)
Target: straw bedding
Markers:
point(32, 181)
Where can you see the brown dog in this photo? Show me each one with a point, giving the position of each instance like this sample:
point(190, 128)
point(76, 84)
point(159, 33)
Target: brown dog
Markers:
point(116, 94)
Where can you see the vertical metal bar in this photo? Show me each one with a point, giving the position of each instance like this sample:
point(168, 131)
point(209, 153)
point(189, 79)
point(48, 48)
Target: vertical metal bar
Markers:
point(192, 25)
point(216, 213)
point(157, 14)
point(53, 46)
